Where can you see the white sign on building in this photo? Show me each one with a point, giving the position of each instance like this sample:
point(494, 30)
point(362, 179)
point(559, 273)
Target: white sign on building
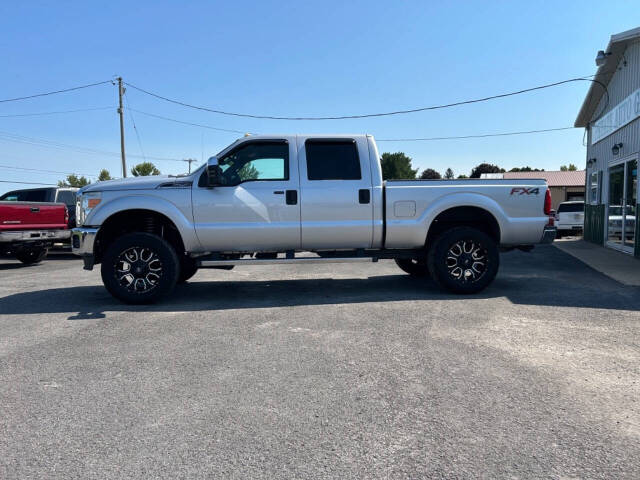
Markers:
point(623, 113)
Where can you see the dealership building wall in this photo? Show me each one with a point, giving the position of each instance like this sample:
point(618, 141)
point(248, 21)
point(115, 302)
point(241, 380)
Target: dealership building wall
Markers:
point(612, 121)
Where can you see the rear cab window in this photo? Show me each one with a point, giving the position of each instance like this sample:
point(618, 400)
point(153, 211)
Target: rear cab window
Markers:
point(332, 159)
point(35, 195)
point(570, 207)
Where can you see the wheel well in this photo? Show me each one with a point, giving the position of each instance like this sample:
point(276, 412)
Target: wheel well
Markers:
point(138, 220)
point(464, 216)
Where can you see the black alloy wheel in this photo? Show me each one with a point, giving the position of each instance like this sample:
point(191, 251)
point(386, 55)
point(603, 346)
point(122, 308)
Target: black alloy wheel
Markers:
point(463, 260)
point(140, 268)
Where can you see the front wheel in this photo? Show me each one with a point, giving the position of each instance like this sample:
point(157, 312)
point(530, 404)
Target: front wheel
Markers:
point(140, 268)
point(463, 260)
point(32, 255)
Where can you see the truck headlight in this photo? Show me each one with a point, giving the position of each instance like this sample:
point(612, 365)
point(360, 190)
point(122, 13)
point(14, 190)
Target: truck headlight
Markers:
point(85, 203)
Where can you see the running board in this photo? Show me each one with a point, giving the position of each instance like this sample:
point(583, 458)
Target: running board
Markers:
point(266, 261)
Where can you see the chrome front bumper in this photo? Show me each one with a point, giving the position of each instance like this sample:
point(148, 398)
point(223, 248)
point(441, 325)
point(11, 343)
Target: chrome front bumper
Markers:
point(34, 235)
point(548, 234)
point(82, 240)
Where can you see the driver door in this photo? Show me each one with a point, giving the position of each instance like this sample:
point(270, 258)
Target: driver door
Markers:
point(256, 205)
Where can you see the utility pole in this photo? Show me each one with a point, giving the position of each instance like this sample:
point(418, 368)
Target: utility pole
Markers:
point(189, 161)
point(121, 113)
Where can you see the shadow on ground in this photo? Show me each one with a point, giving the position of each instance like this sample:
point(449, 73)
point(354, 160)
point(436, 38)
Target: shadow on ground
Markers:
point(545, 277)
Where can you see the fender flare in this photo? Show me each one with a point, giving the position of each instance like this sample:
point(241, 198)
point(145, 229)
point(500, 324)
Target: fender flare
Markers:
point(464, 199)
point(152, 203)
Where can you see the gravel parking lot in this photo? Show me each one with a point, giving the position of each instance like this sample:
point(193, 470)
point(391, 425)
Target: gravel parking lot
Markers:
point(336, 371)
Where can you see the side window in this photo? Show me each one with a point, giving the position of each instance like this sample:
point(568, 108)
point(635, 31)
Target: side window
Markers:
point(255, 161)
point(332, 160)
point(594, 188)
point(66, 196)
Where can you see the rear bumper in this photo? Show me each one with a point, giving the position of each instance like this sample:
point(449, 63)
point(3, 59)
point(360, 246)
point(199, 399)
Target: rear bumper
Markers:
point(33, 235)
point(548, 234)
point(570, 227)
point(82, 241)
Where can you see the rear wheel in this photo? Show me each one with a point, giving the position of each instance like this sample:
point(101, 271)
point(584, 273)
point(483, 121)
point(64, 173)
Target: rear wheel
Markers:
point(416, 267)
point(140, 268)
point(31, 255)
point(463, 260)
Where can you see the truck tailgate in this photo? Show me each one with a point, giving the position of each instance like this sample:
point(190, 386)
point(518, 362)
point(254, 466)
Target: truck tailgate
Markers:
point(32, 215)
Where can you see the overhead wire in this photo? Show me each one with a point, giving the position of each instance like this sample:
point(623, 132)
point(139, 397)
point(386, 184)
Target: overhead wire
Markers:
point(368, 115)
point(55, 92)
point(135, 129)
point(39, 114)
point(6, 136)
point(484, 135)
point(57, 172)
point(188, 123)
point(28, 183)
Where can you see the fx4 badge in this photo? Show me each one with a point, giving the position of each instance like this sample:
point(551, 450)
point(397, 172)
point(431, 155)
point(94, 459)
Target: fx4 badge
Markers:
point(525, 191)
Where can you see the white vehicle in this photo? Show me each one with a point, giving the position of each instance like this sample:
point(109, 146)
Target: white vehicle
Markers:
point(570, 218)
point(263, 199)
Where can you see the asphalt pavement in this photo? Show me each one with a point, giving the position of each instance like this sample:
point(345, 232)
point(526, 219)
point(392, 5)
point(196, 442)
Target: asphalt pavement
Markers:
point(321, 371)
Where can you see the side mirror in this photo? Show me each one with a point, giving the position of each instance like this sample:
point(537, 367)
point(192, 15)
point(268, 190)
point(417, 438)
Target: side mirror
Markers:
point(213, 172)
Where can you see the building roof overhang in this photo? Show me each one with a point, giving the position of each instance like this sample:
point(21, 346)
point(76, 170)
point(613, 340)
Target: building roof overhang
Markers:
point(615, 49)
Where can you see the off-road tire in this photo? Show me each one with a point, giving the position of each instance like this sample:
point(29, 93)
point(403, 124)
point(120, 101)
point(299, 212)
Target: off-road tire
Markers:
point(31, 255)
point(152, 264)
point(463, 260)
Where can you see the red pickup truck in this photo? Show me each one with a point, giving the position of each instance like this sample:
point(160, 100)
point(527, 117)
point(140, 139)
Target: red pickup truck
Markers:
point(28, 229)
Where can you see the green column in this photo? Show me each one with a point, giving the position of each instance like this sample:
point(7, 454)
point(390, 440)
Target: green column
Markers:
point(594, 224)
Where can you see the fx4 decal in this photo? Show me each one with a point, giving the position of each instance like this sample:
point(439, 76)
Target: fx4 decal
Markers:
point(525, 191)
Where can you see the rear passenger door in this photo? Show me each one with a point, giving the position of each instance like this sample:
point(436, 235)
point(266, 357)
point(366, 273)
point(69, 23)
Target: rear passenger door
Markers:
point(335, 190)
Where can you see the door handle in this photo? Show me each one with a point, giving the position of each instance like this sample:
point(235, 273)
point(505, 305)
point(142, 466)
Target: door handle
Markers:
point(364, 195)
point(35, 209)
point(292, 197)
point(278, 192)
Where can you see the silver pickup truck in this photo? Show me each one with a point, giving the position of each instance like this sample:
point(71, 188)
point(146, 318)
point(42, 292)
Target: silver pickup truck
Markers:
point(265, 199)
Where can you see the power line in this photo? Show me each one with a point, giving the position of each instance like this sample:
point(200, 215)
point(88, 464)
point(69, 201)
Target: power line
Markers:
point(54, 92)
point(135, 129)
point(462, 137)
point(188, 123)
point(40, 142)
point(38, 114)
point(56, 172)
point(369, 115)
point(28, 183)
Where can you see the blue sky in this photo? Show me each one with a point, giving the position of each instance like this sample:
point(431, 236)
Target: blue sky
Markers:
point(298, 58)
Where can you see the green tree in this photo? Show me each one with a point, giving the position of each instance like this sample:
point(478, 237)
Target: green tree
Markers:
point(460, 177)
point(449, 174)
point(397, 166)
point(430, 174)
point(526, 169)
point(144, 169)
point(248, 172)
point(485, 168)
point(74, 181)
point(570, 168)
point(104, 175)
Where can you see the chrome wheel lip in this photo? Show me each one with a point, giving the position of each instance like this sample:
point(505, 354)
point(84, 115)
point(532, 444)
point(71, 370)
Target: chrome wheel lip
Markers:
point(138, 269)
point(466, 261)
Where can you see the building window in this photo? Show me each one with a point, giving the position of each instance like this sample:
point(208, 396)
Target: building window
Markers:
point(593, 188)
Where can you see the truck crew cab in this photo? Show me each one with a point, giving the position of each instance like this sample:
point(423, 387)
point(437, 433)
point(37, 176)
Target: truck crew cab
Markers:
point(264, 199)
